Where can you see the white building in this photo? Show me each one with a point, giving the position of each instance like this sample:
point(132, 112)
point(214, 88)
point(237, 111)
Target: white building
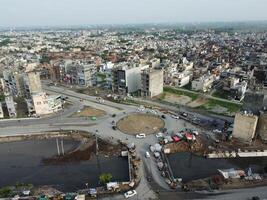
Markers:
point(127, 79)
point(45, 104)
point(181, 79)
point(203, 83)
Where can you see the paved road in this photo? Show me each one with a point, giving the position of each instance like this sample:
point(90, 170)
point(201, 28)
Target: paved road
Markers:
point(103, 128)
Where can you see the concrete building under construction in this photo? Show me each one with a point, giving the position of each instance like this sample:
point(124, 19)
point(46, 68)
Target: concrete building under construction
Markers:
point(245, 126)
point(262, 126)
point(151, 83)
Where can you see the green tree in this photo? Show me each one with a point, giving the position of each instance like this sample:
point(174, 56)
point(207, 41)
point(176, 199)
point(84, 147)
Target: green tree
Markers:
point(5, 192)
point(105, 178)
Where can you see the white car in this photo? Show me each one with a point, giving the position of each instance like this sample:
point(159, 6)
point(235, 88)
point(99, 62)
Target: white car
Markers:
point(140, 135)
point(159, 135)
point(130, 193)
point(147, 154)
point(195, 132)
point(217, 131)
point(175, 116)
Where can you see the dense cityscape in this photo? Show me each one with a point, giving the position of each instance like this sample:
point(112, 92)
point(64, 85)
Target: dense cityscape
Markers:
point(138, 111)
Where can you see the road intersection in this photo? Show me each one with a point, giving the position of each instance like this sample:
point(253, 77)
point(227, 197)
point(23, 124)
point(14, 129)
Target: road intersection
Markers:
point(103, 128)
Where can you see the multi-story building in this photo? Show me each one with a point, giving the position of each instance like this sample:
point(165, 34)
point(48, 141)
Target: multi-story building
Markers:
point(203, 83)
point(86, 74)
point(245, 126)
point(33, 82)
point(127, 79)
point(152, 83)
point(181, 79)
point(10, 104)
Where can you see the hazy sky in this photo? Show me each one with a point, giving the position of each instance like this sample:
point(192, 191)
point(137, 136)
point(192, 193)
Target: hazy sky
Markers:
point(86, 12)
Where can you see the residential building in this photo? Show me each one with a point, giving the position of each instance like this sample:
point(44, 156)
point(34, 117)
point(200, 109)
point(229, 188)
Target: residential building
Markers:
point(127, 79)
point(152, 83)
point(181, 79)
point(10, 104)
point(203, 83)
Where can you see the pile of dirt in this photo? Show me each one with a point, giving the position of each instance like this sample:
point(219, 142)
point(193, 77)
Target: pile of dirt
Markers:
point(140, 123)
point(197, 146)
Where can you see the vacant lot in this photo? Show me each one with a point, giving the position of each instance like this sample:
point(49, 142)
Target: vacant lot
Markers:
point(140, 123)
point(177, 99)
point(89, 112)
point(198, 102)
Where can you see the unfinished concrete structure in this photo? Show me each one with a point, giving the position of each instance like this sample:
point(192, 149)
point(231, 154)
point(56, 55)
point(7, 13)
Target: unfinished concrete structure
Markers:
point(262, 126)
point(151, 83)
point(34, 82)
point(245, 126)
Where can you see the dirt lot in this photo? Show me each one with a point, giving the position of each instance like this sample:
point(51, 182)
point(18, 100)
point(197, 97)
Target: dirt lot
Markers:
point(199, 102)
point(173, 98)
point(89, 112)
point(140, 123)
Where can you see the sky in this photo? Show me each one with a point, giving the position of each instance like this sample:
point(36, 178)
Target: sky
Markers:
point(17, 13)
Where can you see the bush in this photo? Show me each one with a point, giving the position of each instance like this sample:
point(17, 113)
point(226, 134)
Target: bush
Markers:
point(105, 178)
point(5, 192)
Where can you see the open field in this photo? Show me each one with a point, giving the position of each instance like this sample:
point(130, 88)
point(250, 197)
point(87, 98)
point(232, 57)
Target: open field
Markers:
point(140, 123)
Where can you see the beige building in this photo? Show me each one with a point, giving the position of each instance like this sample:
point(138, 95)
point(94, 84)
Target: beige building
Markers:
point(245, 126)
point(45, 104)
point(34, 82)
point(151, 83)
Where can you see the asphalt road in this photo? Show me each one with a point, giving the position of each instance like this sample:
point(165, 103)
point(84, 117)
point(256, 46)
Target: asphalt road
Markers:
point(103, 128)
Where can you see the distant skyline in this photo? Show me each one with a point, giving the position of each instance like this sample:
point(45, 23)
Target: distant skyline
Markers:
point(25, 13)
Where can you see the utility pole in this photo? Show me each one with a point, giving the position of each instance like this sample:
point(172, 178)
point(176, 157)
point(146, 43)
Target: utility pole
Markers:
point(62, 147)
point(58, 151)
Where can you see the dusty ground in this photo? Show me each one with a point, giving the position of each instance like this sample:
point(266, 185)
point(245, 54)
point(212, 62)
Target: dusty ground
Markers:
point(197, 147)
point(199, 102)
point(89, 112)
point(174, 98)
point(140, 123)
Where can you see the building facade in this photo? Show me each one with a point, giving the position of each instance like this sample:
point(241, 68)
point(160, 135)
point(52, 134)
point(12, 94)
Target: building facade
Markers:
point(245, 126)
point(152, 83)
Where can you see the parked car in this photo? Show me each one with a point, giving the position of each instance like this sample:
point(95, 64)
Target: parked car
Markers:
point(140, 135)
point(217, 131)
point(114, 128)
point(159, 135)
point(130, 193)
point(175, 116)
point(163, 116)
point(195, 132)
point(147, 154)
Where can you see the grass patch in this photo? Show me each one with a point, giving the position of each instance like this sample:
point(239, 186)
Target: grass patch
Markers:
point(188, 86)
point(221, 94)
point(231, 107)
point(190, 94)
